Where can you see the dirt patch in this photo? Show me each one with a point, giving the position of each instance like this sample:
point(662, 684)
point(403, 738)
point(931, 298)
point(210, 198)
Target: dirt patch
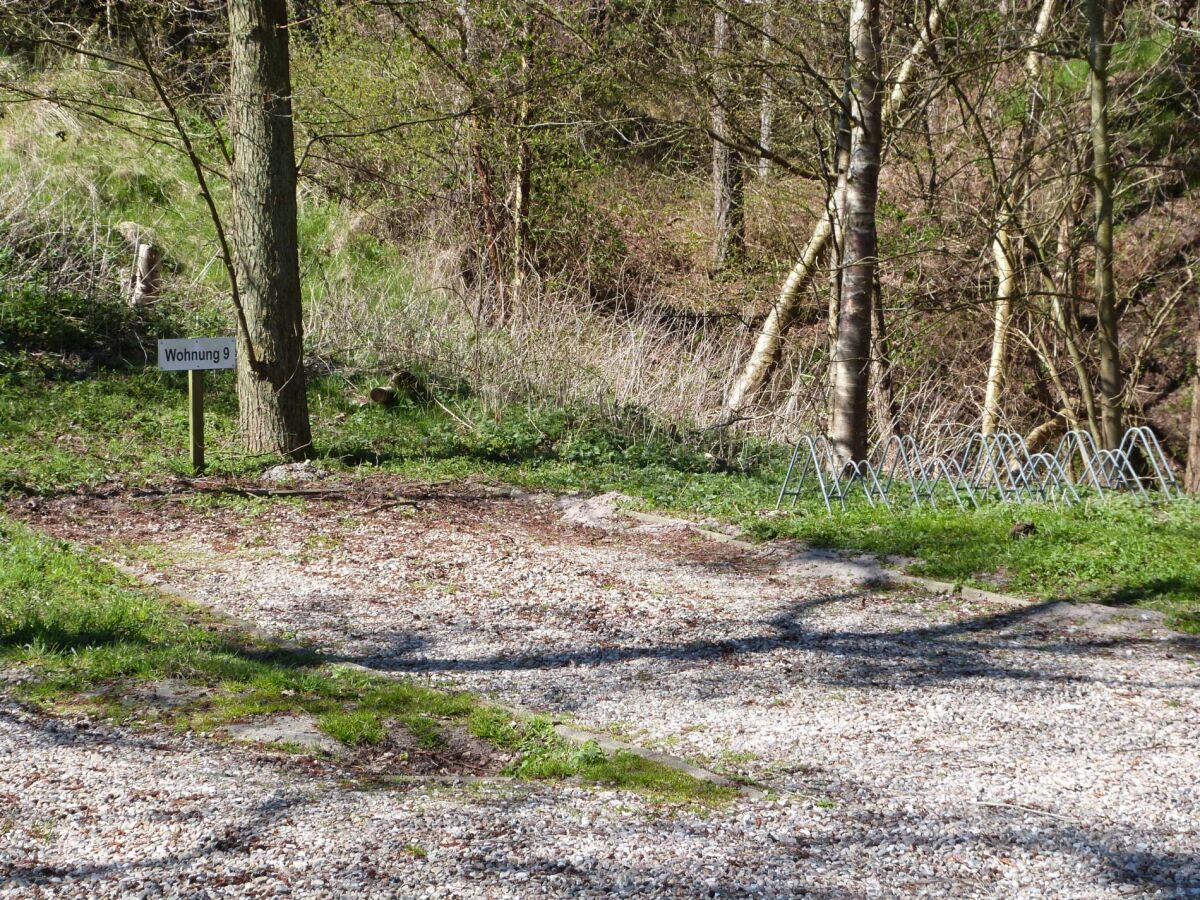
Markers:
point(455, 752)
point(297, 730)
point(1113, 621)
point(170, 693)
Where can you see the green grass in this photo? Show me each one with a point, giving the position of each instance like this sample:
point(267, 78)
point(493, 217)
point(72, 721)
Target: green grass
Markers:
point(88, 636)
point(130, 425)
point(356, 728)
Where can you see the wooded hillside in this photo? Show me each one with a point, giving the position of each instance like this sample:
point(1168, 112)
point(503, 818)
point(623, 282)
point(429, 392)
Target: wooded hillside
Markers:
point(669, 207)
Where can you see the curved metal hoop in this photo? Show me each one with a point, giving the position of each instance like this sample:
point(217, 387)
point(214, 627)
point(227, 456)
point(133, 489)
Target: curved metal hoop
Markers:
point(987, 467)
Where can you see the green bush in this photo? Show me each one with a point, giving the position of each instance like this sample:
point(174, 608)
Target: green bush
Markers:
point(36, 320)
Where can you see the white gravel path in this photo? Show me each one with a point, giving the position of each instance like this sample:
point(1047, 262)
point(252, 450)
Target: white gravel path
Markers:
point(915, 745)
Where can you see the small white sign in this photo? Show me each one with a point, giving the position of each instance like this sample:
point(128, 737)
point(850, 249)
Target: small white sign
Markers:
point(177, 355)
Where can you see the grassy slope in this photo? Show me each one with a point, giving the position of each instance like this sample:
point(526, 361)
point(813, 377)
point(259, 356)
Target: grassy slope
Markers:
point(130, 426)
point(88, 636)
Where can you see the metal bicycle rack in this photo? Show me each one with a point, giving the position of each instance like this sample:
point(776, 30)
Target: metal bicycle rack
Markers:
point(987, 467)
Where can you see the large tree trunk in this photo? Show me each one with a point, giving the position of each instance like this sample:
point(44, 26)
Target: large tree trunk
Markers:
point(1192, 476)
point(768, 345)
point(271, 389)
point(728, 167)
point(1112, 388)
point(859, 254)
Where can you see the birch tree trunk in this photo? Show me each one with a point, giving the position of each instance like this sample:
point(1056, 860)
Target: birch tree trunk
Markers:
point(859, 255)
point(837, 218)
point(768, 346)
point(1001, 324)
point(1111, 385)
point(728, 167)
point(1012, 207)
point(271, 388)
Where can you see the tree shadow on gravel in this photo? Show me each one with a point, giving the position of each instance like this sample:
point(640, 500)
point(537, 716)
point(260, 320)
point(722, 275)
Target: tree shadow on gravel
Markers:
point(856, 838)
point(235, 837)
point(963, 850)
point(974, 648)
point(240, 838)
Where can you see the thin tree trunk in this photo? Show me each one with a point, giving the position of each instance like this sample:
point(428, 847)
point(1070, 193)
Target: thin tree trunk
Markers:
point(1061, 289)
point(491, 228)
point(887, 412)
point(768, 345)
point(859, 254)
point(522, 177)
point(728, 167)
point(271, 387)
point(1192, 477)
point(837, 215)
point(1043, 357)
point(485, 196)
point(1012, 206)
point(766, 110)
point(1001, 325)
point(1111, 387)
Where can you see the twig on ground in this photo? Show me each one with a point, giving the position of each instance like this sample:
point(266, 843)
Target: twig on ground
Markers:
point(1028, 809)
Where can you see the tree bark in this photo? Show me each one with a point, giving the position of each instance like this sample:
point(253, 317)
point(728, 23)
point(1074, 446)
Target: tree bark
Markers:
point(475, 127)
point(728, 166)
point(147, 275)
point(1191, 478)
point(837, 216)
point(1111, 386)
point(1010, 219)
point(887, 411)
point(271, 387)
point(766, 108)
point(1001, 324)
point(523, 173)
point(768, 345)
point(859, 255)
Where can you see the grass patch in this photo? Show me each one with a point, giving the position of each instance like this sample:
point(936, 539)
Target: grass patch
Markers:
point(357, 728)
point(89, 636)
point(543, 754)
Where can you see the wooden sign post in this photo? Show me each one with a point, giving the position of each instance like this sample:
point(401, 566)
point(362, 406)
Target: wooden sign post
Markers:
point(195, 356)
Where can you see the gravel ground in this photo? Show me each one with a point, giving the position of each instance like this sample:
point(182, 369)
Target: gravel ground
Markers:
point(914, 744)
